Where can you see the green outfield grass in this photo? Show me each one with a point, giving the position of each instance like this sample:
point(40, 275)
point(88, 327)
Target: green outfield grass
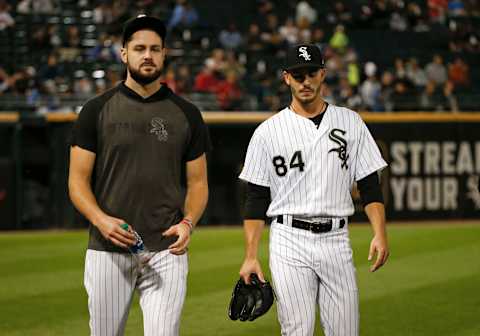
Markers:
point(430, 286)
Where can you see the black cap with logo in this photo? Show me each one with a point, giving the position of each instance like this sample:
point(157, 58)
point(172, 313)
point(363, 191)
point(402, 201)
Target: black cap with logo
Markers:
point(143, 21)
point(304, 55)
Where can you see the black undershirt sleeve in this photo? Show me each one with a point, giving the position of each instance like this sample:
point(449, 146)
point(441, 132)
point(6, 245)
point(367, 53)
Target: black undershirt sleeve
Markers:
point(370, 190)
point(257, 201)
point(258, 197)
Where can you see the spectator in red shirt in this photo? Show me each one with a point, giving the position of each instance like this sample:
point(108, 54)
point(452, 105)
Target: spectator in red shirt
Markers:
point(229, 93)
point(437, 10)
point(458, 73)
point(206, 80)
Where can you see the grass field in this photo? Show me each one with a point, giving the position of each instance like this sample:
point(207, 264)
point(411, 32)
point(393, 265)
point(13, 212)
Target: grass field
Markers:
point(430, 286)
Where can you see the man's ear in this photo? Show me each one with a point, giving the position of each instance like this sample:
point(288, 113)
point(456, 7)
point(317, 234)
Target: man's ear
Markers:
point(323, 73)
point(286, 77)
point(123, 55)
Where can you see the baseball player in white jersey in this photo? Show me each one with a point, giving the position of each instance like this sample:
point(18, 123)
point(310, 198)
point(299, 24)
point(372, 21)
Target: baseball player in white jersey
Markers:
point(133, 150)
point(301, 164)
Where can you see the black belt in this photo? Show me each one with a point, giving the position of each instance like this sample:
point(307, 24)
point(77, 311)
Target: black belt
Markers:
point(318, 227)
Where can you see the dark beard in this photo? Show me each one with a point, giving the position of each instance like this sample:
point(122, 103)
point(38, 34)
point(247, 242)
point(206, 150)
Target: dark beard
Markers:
point(143, 79)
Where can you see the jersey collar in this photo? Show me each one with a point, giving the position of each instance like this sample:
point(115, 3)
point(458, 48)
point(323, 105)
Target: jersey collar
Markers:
point(161, 94)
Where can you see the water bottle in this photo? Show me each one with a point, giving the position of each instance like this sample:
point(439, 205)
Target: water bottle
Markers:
point(138, 250)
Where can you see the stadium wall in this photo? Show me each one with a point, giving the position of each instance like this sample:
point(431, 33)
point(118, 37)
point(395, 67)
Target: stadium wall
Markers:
point(434, 166)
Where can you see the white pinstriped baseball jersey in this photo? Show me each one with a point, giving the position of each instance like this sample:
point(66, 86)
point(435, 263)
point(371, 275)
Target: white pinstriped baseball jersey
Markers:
point(310, 171)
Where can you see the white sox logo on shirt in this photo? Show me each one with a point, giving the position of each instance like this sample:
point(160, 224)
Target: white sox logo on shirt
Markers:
point(342, 149)
point(304, 53)
point(158, 127)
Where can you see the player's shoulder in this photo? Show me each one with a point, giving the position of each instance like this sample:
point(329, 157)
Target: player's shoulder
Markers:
point(266, 129)
point(345, 114)
point(183, 103)
point(95, 104)
point(190, 110)
point(272, 120)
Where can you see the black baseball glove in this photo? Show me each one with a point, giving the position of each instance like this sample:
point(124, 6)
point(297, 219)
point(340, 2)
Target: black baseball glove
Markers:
point(250, 301)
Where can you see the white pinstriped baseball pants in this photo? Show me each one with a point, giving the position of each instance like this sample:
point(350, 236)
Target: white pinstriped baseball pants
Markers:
point(111, 279)
point(309, 269)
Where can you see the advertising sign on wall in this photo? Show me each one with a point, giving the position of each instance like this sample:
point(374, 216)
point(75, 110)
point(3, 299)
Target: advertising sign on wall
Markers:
point(433, 169)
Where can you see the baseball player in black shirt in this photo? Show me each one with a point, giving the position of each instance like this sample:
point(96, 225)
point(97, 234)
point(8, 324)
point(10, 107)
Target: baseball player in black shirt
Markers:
point(138, 157)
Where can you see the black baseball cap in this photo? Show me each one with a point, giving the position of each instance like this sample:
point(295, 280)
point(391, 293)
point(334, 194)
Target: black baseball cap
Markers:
point(143, 21)
point(304, 55)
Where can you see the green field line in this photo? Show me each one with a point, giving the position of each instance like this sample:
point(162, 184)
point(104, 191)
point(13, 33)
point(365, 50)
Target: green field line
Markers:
point(447, 308)
point(51, 282)
point(408, 273)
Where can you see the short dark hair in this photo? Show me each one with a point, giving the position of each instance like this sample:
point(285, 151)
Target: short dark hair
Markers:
point(143, 21)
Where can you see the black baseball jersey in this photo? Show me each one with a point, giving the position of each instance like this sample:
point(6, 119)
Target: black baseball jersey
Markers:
point(141, 146)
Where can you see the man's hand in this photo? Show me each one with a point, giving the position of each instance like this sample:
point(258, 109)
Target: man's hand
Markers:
point(110, 228)
point(378, 246)
point(251, 266)
point(182, 230)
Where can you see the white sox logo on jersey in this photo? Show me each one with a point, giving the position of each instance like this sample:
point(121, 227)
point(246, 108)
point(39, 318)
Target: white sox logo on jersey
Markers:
point(304, 53)
point(342, 143)
point(158, 127)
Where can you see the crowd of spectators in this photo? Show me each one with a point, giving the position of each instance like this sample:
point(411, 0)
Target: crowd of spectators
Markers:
point(241, 66)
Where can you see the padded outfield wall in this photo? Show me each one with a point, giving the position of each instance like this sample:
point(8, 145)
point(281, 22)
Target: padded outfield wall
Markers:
point(434, 166)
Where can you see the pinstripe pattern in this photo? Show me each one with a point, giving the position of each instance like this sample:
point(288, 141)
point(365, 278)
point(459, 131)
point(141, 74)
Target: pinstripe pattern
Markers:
point(310, 269)
point(162, 289)
point(338, 292)
point(294, 279)
point(323, 188)
point(111, 279)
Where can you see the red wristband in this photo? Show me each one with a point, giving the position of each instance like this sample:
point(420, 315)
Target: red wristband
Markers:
point(188, 222)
